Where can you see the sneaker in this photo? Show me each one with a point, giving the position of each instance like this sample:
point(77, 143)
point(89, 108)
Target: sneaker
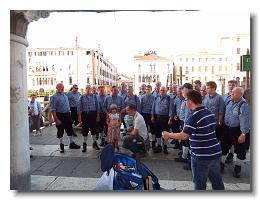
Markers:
point(177, 144)
point(237, 170)
point(229, 158)
point(180, 153)
point(84, 147)
point(95, 146)
point(73, 145)
point(222, 167)
point(61, 148)
point(165, 151)
point(31, 148)
point(158, 149)
point(181, 159)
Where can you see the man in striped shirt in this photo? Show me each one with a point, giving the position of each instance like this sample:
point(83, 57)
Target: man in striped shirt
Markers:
point(205, 149)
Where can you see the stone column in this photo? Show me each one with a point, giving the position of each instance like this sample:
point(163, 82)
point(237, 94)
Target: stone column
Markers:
point(19, 126)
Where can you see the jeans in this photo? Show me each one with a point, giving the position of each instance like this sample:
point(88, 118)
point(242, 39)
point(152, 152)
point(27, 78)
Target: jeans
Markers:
point(204, 169)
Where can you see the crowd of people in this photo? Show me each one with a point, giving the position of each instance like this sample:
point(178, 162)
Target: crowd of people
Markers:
point(202, 125)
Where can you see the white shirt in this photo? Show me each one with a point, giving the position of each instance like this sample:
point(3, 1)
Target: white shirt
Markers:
point(139, 124)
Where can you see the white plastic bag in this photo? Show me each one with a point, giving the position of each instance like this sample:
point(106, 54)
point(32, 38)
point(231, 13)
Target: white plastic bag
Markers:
point(106, 181)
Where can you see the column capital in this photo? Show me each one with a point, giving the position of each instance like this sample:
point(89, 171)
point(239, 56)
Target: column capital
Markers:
point(20, 19)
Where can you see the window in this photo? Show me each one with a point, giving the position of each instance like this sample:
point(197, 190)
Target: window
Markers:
point(193, 59)
point(238, 50)
point(238, 66)
point(70, 80)
point(87, 80)
point(33, 82)
point(158, 78)
point(199, 59)
point(226, 68)
point(206, 68)
point(192, 68)
point(180, 59)
point(238, 39)
point(88, 53)
point(187, 59)
point(206, 59)
point(199, 69)
point(212, 71)
point(220, 59)
point(139, 79)
point(139, 68)
point(186, 78)
point(220, 67)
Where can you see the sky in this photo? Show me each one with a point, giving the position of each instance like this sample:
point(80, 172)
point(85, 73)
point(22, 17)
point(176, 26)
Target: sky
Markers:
point(122, 35)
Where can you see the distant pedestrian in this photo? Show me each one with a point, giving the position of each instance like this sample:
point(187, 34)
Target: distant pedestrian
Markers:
point(205, 149)
point(113, 123)
point(156, 91)
point(35, 114)
point(197, 85)
point(142, 92)
point(61, 114)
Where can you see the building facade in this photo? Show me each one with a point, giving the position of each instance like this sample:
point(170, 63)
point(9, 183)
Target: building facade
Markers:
point(48, 66)
point(220, 66)
point(150, 68)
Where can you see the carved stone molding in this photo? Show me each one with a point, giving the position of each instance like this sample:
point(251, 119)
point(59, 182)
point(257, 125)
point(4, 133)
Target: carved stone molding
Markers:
point(19, 20)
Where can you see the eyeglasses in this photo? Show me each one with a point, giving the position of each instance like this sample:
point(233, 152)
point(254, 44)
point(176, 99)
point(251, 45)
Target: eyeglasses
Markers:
point(76, 88)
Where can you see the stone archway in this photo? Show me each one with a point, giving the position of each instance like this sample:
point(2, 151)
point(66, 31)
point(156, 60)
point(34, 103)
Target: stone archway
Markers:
point(19, 137)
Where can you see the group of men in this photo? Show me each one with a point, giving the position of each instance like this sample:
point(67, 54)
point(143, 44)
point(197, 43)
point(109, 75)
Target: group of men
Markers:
point(161, 109)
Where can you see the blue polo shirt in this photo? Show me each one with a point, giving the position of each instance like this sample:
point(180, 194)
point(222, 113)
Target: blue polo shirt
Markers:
point(200, 126)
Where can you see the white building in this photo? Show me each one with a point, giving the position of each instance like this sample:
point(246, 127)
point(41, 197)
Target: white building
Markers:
point(219, 66)
point(150, 68)
point(48, 66)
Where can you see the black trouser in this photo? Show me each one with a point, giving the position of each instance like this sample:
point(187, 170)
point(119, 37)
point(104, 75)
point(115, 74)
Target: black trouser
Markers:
point(176, 125)
point(219, 132)
point(134, 143)
point(66, 123)
point(148, 122)
point(102, 125)
point(89, 122)
point(230, 137)
point(74, 115)
point(161, 124)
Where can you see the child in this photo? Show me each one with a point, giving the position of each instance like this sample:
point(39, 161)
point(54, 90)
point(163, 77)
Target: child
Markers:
point(113, 122)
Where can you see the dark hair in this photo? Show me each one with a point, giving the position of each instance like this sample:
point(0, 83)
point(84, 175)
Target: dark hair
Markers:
point(232, 81)
point(194, 96)
point(131, 107)
point(187, 85)
point(197, 82)
point(150, 87)
point(114, 86)
point(211, 84)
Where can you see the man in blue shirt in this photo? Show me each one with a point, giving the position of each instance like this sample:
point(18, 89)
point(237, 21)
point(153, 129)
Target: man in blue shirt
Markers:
point(205, 149)
point(146, 109)
point(102, 125)
point(73, 97)
point(156, 91)
point(61, 113)
point(123, 91)
point(235, 129)
point(88, 114)
point(231, 85)
point(162, 117)
point(215, 103)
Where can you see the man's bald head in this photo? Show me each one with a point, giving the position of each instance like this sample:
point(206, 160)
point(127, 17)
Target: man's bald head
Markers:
point(237, 93)
point(60, 87)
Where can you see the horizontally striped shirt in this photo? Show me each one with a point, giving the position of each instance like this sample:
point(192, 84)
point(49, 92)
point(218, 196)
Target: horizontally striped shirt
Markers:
point(235, 117)
point(147, 104)
point(88, 103)
point(118, 100)
point(215, 104)
point(200, 126)
point(73, 98)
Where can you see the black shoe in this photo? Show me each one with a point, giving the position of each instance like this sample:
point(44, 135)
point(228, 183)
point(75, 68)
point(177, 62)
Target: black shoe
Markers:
point(237, 170)
point(222, 167)
point(84, 147)
point(165, 151)
point(73, 145)
point(180, 159)
point(187, 166)
point(102, 143)
point(158, 149)
point(31, 148)
point(153, 145)
point(95, 146)
point(180, 153)
point(61, 148)
point(229, 158)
